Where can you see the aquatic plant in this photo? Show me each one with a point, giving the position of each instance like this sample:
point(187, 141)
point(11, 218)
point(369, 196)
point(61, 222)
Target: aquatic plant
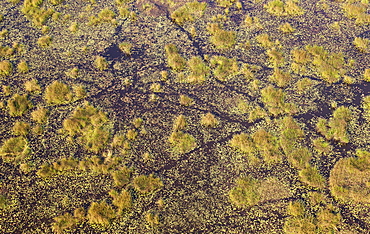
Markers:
point(121, 176)
point(18, 105)
point(23, 67)
point(6, 68)
point(182, 142)
point(348, 176)
point(209, 120)
point(280, 8)
point(287, 28)
point(32, 86)
point(221, 38)
point(39, 115)
point(174, 59)
point(21, 128)
point(147, 184)
point(58, 93)
point(101, 63)
point(14, 149)
point(198, 70)
point(125, 47)
point(91, 125)
point(63, 222)
point(361, 44)
point(311, 176)
point(100, 213)
point(44, 41)
point(245, 193)
point(188, 12)
point(224, 68)
point(122, 200)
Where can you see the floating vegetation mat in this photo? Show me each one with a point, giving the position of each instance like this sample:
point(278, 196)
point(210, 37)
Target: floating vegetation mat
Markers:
point(169, 116)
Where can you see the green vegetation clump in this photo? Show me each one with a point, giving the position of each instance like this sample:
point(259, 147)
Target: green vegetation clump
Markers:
point(256, 113)
point(276, 57)
point(349, 180)
point(122, 200)
point(209, 120)
point(222, 39)
point(65, 164)
point(356, 10)
point(6, 68)
point(261, 141)
point(290, 134)
point(182, 142)
point(198, 70)
point(361, 44)
point(79, 92)
point(287, 28)
point(268, 146)
point(330, 66)
point(18, 105)
point(21, 128)
point(100, 213)
point(39, 115)
point(101, 63)
point(34, 12)
point(188, 12)
point(125, 47)
point(301, 221)
point(304, 84)
point(336, 127)
point(147, 184)
point(104, 16)
point(366, 105)
point(274, 99)
point(280, 8)
point(185, 100)
point(300, 225)
point(58, 93)
point(312, 177)
point(152, 218)
point(367, 75)
point(296, 208)
point(179, 123)
point(23, 67)
point(243, 143)
point(73, 27)
point(280, 78)
point(73, 73)
point(300, 157)
point(6, 90)
point(6, 51)
point(224, 68)
point(44, 41)
point(322, 146)
point(121, 176)
point(245, 193)
point(32, 86)
point(327, 220)
point(4, 202)
point(4, 33)
point(90, 125)
point(63, 222)
point(45, 171)
point(14, 149)
point(174, 59)
point(138, 122)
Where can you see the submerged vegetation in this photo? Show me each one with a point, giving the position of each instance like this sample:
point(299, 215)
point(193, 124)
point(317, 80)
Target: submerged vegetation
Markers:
point(226, 116)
